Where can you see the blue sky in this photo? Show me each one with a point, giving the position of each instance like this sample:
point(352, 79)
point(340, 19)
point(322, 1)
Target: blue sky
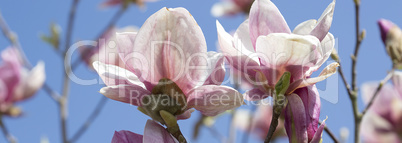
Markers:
point(29, 19)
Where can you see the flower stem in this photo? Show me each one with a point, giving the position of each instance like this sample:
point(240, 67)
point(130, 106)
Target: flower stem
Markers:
point(5, 131)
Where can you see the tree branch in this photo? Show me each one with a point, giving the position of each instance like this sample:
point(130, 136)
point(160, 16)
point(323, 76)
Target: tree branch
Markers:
point(329, 132)
point(90, 120)
point(379, 87)
point(5, 131)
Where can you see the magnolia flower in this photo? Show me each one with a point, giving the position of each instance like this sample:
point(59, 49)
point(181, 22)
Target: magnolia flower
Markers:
point(391, 35)
point(264, 48)
point(106, 51)
point(16, 82)
point(153, 133)
point(167, 67)
point(382, 123)
point(125, 3)
point(302, 116)
point(261, 121)
point(231, 7)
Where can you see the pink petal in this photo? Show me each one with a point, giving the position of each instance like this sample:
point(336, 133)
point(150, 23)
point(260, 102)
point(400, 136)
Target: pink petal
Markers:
point(114, 75)
point(384, 97)
point(155, 133)
point(327, 72)
point(265, 18)
point(324, 22)
point(295, 120)
point(124, 136)
point(185, 115)
point(238, 51)
point(282, 52)
point(131, 94)
point(255, 95)
point(318, 134)
point(212, 100)
point(312, 105)
point(31, 82)
point(216, 69)
point(375, 129)
point(305, 27)
point(10, 71)
point(385, 26)
point(167, 42)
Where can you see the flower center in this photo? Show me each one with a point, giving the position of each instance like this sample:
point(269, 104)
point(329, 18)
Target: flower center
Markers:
point(166, 95)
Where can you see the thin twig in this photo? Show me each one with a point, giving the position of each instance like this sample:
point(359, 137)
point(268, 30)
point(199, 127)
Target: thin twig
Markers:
point(329, 132)
point(66, 81)
point(6, 133)
point(380, 85)
point(90, 120)
point(353, 95)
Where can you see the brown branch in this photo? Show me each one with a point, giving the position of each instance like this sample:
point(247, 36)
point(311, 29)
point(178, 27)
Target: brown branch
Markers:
point(5, 131)
point(329, 132)
point(379, 87)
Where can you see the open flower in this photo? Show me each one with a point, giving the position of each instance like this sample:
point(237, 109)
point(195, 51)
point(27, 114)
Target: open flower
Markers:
point(382, 123)
point(391, 35)
point(231, 7)
point(153, 133)
point(168, 68)
point(16, 82)
point(264, 48)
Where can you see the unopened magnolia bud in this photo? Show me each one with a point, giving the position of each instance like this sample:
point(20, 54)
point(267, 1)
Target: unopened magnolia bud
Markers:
point(344, 132)
point(392, 38)
point(14, 111)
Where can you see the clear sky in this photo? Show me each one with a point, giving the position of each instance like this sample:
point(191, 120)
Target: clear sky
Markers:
point(31, 18)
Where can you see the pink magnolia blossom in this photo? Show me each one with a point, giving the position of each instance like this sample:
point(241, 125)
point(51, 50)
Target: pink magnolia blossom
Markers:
point(16, 82)
point(231, 7)
point(153, 133)
point(391, 35)
point(264, 48)
point(167, 61)
point(109, 3)
point(382, 123)
point(302, 116)
point(106, 50)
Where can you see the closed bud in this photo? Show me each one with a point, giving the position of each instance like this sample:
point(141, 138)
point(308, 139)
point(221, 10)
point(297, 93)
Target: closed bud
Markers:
point(392, 37)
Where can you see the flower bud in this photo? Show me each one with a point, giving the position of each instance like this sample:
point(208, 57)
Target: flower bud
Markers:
point(392, 37)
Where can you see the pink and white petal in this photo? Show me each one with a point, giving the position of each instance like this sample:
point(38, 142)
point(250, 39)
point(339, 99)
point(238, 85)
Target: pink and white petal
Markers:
point(327, 46)
point(312, 105)
point(131, 94)
point(265, 18)
point(31, 82)
point(327, 72)
point(212, 100)
point(3, 91)
point(318, 135)
point(224, 8)
point(324, 22)
point(215, 69)
point(168, 40)
point(397, 81)
point(305, 27)
point(114, 75)
point(185, 115)
point(155, 133)
point(124, 136)
point(239, 54)
point(289, 52)
point(295, 119)
point(255, 95)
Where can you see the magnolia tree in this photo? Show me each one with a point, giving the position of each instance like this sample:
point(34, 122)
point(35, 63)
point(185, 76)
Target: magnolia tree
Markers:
point(165, 71)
